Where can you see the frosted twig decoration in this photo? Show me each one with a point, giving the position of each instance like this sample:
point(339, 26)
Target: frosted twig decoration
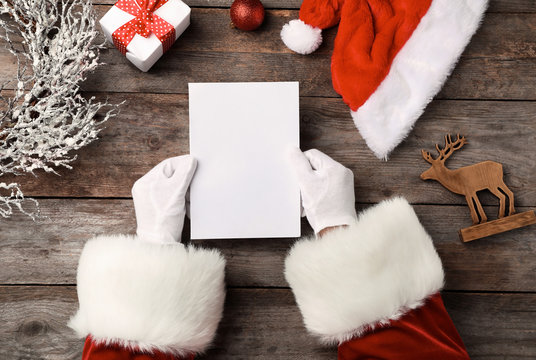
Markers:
point(14, 199)
point(43, 117)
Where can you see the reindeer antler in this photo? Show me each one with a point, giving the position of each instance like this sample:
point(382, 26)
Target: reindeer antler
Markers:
point(450, 147)
point(426, 156)
point(447, 151)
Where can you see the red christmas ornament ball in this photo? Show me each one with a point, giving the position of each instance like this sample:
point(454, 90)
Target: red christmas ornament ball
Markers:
point(247, 14)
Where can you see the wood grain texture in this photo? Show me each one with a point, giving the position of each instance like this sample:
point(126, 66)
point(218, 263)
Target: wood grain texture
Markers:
point(210, 32)
point(487, 72)
point(498, 226)
point(47, 253)
point(151, 128)
point(34, 323)
point(260, 324)
point(472, 79)
point(479, 100)
point(504, 6)
point(485, 321)
point(492, 67)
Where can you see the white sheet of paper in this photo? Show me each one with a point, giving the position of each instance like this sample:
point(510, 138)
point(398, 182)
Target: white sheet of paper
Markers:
point(244, 186)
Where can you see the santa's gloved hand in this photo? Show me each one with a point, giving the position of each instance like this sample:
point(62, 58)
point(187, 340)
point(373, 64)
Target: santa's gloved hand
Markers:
point(327, 189)
point(159, 199)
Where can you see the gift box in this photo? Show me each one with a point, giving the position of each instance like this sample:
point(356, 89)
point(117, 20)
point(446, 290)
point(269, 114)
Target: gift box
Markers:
point(143, 30)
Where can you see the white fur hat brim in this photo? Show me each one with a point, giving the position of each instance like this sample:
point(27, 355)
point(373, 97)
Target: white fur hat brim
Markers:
point(417, 73)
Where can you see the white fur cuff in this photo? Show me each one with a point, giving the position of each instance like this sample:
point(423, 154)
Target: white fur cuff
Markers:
point(353, 279)
point(150, 296)
point(301, 37)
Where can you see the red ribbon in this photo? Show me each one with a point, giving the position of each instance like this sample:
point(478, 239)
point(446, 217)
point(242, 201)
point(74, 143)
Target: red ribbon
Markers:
point(144, 23)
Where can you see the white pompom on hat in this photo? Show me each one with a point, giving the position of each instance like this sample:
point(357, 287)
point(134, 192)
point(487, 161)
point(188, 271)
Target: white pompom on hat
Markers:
point(300, 37)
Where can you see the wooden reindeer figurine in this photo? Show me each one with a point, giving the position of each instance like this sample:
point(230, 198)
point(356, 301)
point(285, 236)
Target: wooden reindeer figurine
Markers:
point(467, 181)
point(487, 175)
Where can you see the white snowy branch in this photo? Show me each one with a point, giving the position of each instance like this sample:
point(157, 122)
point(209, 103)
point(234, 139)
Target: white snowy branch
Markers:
point(46, 119)
point(11, 196)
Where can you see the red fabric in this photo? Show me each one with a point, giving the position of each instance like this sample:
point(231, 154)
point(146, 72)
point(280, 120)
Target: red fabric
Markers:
point(371, 33)
point(322, 14)
point(144, 23)
point(95, 351)
point(425, 333)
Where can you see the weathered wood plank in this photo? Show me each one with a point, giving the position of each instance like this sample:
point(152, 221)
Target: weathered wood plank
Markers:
point(492, 67)
point(210, 32)
point(485, 321)
point(472, 78)
point(34, 323)
point(151, 128)
point(491, 79)
point(261, 324)
point(505, 6)
point(494, 40)
point(47, 253)
point(508, 6)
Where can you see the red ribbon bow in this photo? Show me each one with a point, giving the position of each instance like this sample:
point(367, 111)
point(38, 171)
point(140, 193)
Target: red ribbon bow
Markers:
point(144, 23)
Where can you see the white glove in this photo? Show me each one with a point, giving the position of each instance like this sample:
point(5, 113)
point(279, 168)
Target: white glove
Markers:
point(159, 199)
point(327, 189)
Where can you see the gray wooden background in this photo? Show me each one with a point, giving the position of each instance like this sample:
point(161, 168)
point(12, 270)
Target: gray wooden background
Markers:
point(491, 284)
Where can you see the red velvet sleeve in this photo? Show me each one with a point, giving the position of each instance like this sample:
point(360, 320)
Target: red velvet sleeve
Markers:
point(374, 287)
point(96, 351)
point(424, 333)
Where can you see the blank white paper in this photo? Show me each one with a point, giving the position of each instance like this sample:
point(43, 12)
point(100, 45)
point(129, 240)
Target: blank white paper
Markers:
point(244, 186)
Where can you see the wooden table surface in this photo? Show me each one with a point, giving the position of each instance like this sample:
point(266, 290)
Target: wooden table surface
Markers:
point(490, 287)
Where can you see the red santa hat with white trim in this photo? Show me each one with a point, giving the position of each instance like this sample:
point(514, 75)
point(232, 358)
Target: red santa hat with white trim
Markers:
point(390, 57)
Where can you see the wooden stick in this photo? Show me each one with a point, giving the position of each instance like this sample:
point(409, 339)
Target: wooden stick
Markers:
point(498, 226)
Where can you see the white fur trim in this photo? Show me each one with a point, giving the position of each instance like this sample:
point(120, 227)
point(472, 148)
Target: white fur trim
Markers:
point(163, 297)
point(301, 37)
point(417, 73)
point(353, 279)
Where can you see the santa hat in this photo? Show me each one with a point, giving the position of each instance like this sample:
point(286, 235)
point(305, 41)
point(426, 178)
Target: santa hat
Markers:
point(390, 58)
